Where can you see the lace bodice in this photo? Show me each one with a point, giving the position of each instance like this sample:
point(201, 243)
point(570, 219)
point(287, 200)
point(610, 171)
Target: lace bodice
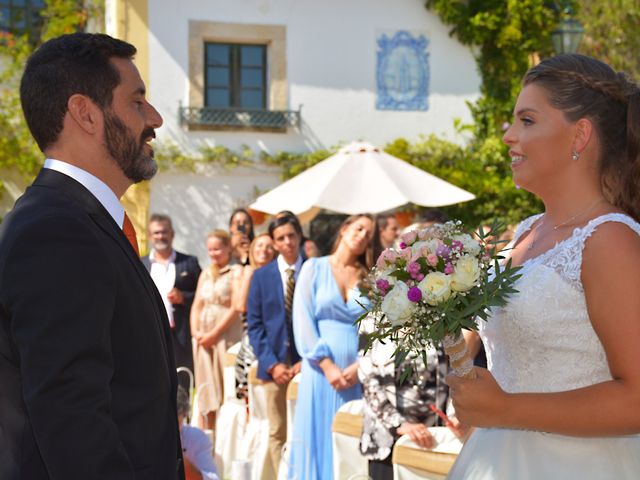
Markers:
point(543, 340)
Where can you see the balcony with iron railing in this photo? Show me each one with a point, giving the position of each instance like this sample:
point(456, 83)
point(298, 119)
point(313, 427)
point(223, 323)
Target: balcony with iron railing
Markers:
point(211, 118)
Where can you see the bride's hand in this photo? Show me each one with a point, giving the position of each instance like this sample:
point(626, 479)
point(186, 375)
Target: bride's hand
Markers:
point(479, 402)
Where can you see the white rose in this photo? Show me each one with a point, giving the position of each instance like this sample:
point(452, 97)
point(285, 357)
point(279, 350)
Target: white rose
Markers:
point(466, 274)
point(435, 287)
point(397, 306)
point(470, 245)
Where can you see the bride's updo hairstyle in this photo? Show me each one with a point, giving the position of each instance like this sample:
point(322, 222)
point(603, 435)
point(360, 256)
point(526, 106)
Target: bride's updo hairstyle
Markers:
point(583, 87)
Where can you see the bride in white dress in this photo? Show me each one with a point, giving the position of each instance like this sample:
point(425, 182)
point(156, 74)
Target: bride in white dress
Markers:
point(561, 399)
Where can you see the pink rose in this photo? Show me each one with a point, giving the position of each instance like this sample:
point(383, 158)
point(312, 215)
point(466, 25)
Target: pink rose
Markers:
point(432, 258)
point(387, 257)
point(410, 237)
point(405, 254)
point(424, 234)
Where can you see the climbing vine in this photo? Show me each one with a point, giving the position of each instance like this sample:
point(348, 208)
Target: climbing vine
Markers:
point(18, 150)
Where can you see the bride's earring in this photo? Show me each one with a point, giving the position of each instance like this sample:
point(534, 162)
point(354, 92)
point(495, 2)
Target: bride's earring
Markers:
point(575, 156)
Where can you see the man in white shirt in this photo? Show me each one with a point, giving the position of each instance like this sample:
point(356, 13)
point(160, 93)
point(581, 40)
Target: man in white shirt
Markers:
point(87, 376)
point(176, 276)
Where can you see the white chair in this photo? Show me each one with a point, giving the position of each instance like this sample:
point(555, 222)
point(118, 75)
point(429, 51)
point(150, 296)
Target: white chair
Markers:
point(292, 398)
point(189, 374)
point(192, 390)
point(256, 440)
point(411, 462)
point(231, 419)
point(229, 374)
point(348, 462)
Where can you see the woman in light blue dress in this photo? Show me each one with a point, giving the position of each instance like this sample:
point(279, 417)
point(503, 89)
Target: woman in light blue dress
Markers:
point(326, 304)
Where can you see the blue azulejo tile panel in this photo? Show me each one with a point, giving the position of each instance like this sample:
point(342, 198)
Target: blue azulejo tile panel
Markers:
point(402, 72)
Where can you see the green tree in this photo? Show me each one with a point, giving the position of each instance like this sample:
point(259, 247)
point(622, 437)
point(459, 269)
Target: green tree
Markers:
point(17, 148)
point(506, 34)
point(482, 170)
point(611, 28)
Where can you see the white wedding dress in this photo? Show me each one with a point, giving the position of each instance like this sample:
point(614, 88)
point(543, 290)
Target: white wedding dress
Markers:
point(543, 341)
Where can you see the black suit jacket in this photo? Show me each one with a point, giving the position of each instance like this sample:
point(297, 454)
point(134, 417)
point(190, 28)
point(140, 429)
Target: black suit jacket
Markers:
point(87, 383)
point(187, 274)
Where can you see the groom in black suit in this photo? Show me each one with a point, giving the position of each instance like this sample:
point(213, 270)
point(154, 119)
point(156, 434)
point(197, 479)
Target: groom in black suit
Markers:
point(87, 375)
point(176, 276)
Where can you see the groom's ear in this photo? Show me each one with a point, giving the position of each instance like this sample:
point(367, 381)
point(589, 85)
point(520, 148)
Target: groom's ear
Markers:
point(85, 113)
point(583, 134)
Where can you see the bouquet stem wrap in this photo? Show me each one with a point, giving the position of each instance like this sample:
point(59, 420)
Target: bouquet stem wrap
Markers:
point(460, 360)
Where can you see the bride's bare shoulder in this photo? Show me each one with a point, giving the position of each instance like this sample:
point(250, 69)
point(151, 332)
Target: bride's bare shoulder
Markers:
point(612, 251)
point(617, 232)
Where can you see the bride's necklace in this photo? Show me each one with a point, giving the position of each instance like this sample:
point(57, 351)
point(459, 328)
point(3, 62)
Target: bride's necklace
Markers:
point(569, 220)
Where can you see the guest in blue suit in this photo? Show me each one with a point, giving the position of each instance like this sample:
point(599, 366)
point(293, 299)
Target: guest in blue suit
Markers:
point(269, 308)
point(326, 304)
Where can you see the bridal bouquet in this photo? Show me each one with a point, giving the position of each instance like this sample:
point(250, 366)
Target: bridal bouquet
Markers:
point(439, 281)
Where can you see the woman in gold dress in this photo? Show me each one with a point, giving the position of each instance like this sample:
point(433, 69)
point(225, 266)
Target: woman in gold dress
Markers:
point(215, 323)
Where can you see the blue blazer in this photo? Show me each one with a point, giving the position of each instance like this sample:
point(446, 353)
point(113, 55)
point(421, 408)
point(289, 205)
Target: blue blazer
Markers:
point(269, 334)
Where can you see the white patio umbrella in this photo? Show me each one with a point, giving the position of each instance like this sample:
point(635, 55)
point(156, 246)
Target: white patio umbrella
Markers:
point(359, 178)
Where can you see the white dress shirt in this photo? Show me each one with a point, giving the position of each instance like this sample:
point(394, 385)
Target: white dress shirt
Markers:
point(97, 187)
point(283, 266)
point(164, 276)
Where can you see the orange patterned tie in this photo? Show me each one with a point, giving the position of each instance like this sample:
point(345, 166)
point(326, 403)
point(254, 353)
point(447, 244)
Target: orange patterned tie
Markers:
point(130, 233)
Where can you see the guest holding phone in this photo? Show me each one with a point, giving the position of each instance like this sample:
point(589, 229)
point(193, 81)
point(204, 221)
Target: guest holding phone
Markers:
point(242, 234)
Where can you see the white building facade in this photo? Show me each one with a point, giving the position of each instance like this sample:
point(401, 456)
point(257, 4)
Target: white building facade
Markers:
point(286, 75)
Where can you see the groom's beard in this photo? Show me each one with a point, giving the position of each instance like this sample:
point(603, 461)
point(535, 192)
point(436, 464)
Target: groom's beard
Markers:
point(126, 151)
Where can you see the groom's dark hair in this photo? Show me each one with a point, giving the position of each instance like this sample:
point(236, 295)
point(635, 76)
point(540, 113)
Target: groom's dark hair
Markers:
point(78, 63)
